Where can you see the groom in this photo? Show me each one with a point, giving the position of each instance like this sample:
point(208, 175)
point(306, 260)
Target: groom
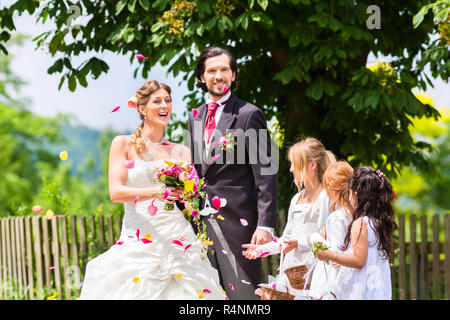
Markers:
point(243, 174)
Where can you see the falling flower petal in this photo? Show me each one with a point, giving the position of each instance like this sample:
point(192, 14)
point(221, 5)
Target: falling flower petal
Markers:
point(194, 113)
point(136, 199)
point(206, 291)
point(216, 202)
point(231, 286)
point(137, 233)
point(51, 268)
point(224, 90)
point(132, 102)
point(115, 109)
point(169, 163)
point(275, 239)
point(264, 254)
point(187, 247)
point(224, 251)
point(140, 56)
point(152, 209)
point(200, 294)
point(246, 282)
point(166, 194)
point(49, 214)
point(129, 164)
point(226, 298)
point(37, 209)
point(119, 243)
point(63, 155)
point(135, 279)
point(395, 195)
point(56, 217)
point(179, 275)
point(178, 242)
point(244, 222)
point(214, 158)
point(148, 236)
point(220, 217)
point(146, 241)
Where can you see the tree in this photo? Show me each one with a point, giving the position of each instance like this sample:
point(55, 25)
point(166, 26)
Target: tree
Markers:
point(302, 61)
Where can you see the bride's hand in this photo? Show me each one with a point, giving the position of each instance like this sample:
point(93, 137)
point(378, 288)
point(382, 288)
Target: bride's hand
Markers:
point(253, 251)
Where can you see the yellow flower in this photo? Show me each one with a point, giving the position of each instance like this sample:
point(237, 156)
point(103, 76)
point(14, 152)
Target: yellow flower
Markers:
point(49, 214)
point(135, 279)
point(63, 155)
point(189, 185)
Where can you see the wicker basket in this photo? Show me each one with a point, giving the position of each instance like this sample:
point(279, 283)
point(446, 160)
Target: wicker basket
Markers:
point(273, 294)
point(296, 275)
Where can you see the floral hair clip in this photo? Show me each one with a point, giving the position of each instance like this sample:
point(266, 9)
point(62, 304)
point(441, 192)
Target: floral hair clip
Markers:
point(380, 173)
point(132, 102)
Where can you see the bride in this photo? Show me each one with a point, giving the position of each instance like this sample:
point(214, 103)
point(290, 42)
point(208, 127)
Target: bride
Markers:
point(155, 268)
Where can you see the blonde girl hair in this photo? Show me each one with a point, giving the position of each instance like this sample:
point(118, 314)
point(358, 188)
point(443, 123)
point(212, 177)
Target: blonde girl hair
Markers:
point(143, 95)
point(309, 150)
point(336, 178)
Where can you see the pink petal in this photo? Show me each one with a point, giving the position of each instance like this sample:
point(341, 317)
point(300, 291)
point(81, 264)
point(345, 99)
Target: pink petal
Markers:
point(115, 109)
point(244, 222)
point(165, 144)
point(51, 268)
point(194, 113)
point(178, 242)
point(224, 90)
point(226, 298)
point(136, 199)
point(119, 243)
point(187, 247)
point(395, 195)
point(246, 282)
point(137, 233)
point(140, 56)
point(206, 291)
point(224, 251)
point(216, 202)
point(146, 241)
point(275, 239)
point(166, 194)
point(231, 286)
point(264, 254)
point(152, 209)
point(129, 164)
point(214, 158)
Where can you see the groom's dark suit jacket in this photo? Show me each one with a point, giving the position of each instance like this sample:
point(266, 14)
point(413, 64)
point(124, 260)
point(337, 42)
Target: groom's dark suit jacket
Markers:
point(238, 176)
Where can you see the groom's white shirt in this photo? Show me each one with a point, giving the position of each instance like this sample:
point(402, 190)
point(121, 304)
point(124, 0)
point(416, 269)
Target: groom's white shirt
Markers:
point(207, 145)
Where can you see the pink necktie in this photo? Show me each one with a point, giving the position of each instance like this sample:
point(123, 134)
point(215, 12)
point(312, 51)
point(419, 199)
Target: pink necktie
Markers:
point(210, 123)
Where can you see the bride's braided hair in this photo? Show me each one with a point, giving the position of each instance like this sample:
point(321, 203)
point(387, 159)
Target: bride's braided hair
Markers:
point(143, 95)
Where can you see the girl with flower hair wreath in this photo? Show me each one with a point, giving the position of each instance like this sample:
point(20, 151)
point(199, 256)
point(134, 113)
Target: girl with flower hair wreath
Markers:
point(365, 271)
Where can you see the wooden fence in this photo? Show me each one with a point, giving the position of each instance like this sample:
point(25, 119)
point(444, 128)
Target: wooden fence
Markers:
point(42, 258)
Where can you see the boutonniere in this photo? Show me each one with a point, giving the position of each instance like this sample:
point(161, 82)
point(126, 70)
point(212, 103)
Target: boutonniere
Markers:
point(226, 142)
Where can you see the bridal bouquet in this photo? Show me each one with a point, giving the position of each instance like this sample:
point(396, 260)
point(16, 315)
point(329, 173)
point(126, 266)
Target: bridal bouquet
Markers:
point(183, 174)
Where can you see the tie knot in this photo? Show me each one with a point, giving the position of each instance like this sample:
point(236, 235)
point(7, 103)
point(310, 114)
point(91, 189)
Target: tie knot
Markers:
point(212, 107)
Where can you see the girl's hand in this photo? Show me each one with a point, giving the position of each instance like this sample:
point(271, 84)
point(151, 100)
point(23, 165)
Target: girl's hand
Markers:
point(290, 245)
point(335, 264)
point(324, 254)
point(253, 251)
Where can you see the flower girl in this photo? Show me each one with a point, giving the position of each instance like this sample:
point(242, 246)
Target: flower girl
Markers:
point(308, 210)
point(335, 182)
point(365, 272)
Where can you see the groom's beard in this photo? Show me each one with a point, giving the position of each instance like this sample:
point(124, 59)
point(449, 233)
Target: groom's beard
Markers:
point(217, 93)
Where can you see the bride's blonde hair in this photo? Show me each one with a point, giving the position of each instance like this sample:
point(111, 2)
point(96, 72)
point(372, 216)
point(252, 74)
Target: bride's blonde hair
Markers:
point(306, 151)
point(143, 95)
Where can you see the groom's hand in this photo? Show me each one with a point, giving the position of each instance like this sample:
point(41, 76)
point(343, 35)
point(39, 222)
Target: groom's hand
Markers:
point(261, 236)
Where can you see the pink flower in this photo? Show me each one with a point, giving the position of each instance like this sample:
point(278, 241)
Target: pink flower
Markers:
point(216, 202)
point(140, 56)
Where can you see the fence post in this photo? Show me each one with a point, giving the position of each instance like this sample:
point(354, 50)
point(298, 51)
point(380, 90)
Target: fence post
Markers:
point(55, 251)
point(447, 254)
point(38, 252)
point(401, 257)
point(423, 257)
point(413, 257)
point(29, 257)
point(436, 267)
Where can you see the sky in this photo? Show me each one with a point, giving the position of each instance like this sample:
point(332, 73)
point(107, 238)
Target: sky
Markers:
point(91, 106)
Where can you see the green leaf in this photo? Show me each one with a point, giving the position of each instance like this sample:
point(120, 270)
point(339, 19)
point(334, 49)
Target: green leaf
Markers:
point(145, 4)
point(211, 23)
point(263, 4)
point(132, 5)
point(120, 5)
point(72, 83)
point(315, 90)
point(251, 3)
point(295, 39)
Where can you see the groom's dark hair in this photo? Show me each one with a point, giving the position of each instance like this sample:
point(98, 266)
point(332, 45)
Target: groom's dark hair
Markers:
point(213, 52)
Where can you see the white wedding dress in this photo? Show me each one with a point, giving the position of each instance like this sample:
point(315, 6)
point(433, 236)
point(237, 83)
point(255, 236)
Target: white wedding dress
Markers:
point(160, 269)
